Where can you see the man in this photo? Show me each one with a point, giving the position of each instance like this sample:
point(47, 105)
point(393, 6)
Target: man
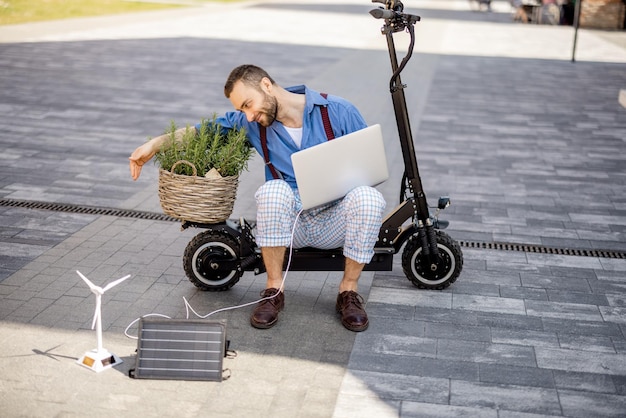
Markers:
point(292, 119)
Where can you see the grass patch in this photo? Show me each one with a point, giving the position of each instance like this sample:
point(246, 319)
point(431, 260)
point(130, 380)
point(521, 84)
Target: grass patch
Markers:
point(25, 11)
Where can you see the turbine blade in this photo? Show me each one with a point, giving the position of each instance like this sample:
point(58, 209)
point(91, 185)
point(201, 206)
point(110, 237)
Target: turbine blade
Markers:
point(115, 283)
point(89, 283)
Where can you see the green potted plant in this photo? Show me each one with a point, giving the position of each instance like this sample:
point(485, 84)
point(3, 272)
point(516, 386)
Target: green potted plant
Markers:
point(199, 173)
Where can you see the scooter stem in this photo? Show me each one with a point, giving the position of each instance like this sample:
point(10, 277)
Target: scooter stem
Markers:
point(396, 21)
point(401, 112)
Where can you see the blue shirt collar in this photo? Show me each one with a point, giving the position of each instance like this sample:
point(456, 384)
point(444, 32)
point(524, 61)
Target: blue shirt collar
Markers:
point(312, 97)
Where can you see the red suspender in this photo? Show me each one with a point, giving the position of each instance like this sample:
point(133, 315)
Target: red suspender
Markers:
point(326, 120)
point(266, 154)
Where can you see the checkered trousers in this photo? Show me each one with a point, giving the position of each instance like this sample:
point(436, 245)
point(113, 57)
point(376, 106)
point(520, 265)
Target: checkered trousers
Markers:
point(352, 222)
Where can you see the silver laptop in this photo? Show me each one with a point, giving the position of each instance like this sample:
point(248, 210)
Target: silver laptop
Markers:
point(328, 171)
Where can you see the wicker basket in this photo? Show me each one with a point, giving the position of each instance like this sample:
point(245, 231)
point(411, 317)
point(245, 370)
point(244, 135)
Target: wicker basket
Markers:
point(197, 199)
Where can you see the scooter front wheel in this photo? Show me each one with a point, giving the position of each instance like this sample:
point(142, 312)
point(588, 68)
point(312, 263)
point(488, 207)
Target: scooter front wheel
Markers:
point(211, 261)
point(425, 275)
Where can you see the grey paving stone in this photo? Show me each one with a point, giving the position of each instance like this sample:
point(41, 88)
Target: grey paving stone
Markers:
point(385, 310)
point(564, 261)
point(428, 314)
point(613, 265)
point(587, 382)
point(402, 297)
point(432, 410)
point(477, 289)
point(613, 314)
point(620, 384)
point(503, 265)
point(399, 345)
point(481, 352)
point(576, 297)
point(581, 327)
point(501, 278)
point(561, 283)
point(457, 331)
point(395, 326)
point(24, 251)
point(505, 397)
point(424, 366)
point(620, 344)
point(511, 260)
point(513, 375)
point(520, 292)
point(604, 286)
point(488, 304)
point(394, 386)
point(563, 310)
point(584, 404)
point(580, 361)
point(524, 337)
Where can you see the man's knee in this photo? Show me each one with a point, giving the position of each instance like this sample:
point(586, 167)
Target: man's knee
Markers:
point(275, 213)
point(274, 192)
point(366, 198)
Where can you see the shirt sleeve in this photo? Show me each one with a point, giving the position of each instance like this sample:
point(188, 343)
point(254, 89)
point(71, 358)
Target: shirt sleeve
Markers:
point(230, 120)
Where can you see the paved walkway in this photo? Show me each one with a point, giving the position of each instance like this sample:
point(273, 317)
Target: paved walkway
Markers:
point(529, 145)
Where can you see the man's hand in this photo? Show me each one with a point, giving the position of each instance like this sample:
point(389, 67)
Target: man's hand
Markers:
point(139, 157)
point(144, 153)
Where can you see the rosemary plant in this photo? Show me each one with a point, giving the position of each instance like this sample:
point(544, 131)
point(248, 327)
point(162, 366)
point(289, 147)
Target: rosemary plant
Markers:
point(226, 150)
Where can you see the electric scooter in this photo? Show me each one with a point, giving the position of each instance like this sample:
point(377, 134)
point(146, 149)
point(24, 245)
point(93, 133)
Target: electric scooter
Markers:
point(216, 258)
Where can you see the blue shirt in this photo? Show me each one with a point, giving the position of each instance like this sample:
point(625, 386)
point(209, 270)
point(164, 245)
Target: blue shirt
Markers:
point(344, 118)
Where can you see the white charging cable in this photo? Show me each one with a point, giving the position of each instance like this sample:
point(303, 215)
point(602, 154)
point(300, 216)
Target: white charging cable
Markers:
point(137, 320)
point(189, 308)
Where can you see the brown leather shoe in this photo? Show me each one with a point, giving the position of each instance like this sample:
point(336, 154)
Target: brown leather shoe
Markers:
point(265, 315)
point(350, 307)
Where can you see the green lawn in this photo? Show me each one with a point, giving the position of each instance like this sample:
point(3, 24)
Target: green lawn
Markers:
point(23, 11)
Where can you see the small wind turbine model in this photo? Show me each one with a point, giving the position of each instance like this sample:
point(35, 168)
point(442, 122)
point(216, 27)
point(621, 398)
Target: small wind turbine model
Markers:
point(99, 359)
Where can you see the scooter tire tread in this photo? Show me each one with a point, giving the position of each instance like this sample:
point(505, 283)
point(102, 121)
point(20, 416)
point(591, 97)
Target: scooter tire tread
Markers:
point(413, 245)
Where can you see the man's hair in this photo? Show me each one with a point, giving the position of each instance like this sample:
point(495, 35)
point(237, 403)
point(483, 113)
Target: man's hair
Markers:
point(249, 74)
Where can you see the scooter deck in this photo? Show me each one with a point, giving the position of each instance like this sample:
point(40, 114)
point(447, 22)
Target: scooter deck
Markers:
point(314, 259)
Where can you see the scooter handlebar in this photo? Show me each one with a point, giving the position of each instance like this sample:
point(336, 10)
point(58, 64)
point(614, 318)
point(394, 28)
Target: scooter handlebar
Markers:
point(383, 14)
point(392, 14)
point(390, 4)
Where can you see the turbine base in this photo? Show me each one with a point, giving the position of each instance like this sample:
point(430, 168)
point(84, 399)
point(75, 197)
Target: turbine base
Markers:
point(99, 360)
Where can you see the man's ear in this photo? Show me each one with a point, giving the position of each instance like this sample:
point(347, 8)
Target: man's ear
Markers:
point(266, 85)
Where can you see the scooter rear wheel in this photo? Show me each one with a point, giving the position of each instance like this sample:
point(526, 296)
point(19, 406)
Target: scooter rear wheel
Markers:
point(420, 272)
point(209, 259)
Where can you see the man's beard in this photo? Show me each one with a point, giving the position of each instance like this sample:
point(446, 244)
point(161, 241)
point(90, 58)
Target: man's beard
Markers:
point(268, 111)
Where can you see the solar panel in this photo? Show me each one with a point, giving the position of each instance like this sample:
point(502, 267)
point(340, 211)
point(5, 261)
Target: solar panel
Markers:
point(180, 349)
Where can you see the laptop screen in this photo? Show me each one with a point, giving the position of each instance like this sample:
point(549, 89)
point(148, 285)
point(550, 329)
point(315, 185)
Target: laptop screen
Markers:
point(328, 171)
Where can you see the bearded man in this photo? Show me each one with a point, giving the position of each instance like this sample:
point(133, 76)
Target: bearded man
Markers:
point(278, 122)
